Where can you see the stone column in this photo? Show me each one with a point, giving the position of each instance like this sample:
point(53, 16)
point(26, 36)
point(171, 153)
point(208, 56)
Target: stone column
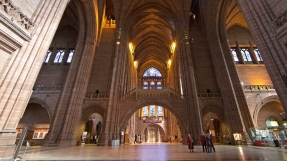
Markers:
point(69, 110)
point(260, 16)
point(17, 82)
point(194, 123)
point(230, 87)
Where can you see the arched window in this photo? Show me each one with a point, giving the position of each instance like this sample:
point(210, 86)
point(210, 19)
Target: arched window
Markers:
point(152, 79)
point(152, 72)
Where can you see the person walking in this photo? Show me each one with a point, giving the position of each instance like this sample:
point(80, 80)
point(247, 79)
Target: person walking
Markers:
point(136, 137)
point(211, 143)
point(190, 143)
point(207, 142)
point(202, 140)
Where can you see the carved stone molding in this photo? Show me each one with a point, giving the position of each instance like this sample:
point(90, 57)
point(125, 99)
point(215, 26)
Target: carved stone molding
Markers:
point(280, 20)
point(15, 14)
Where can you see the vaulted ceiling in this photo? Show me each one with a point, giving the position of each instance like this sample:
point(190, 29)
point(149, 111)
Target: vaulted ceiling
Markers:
point(152, 26)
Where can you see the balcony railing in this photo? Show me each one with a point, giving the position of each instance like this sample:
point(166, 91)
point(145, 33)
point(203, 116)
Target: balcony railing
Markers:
point(48, 88)
point(204, 95)
point(258, 87)
point(96, 96)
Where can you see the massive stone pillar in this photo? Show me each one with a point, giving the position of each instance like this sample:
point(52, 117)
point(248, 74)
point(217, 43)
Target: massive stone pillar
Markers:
point(69, 111)
point(189, 89)
point(111, 129)
point(235, 106)
point(26, 42)
point(267, 23)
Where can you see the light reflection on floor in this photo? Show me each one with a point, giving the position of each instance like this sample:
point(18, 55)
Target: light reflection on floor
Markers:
point(155, 152)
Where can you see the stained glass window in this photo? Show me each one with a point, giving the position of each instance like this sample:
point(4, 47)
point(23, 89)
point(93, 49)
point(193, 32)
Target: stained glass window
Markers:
point(59, 56)
point(152, 110)
point(152, 72)
point(258, 55)
point(71, 53)
point(49, 52)
point(246, 55)
point(159, 108)
point(145, 111)
point(233, 51)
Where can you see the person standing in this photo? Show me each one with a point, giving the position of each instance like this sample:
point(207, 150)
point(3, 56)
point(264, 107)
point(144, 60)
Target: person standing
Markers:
point(190, 143)
point(207, 142)
point(202, 140)
point(140, 139)
point(136, 137)
point(211, 143)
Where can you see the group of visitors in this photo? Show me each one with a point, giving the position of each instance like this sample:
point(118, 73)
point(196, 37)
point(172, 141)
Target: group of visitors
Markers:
point(138, 139)
point(206, 141)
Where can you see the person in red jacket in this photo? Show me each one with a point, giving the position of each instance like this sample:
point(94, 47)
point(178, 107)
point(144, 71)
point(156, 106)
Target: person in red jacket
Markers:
point(190, 143)
point(211, 142)
point(202, 140)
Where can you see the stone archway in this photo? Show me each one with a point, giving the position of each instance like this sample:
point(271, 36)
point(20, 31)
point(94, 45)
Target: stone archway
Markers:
point(43, 103)
point(127, 110)
point(217, 120)
point(259, 105)
point(86, 115)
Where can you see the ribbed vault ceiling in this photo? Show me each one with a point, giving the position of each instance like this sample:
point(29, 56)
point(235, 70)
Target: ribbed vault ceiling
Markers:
point(235, 16)
point(151, 29)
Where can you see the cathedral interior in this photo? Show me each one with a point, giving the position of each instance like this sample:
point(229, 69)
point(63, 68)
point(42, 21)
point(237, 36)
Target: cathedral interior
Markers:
point(106, 72)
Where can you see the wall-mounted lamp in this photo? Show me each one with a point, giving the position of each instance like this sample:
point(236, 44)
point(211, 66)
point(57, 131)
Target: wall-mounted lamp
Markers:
point(186, 37)
point(136, 64)
point(131, 47)
point(172, 47)
point(168, 63)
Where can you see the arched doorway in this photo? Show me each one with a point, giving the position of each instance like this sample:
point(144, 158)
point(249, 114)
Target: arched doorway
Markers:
point(36, 118)
point(153, 123)
point(92, 128)
point(212, 125)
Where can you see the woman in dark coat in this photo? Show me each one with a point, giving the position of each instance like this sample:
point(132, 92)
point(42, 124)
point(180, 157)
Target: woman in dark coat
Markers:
point(211, 142)
point(202, 140)
point(190, 143)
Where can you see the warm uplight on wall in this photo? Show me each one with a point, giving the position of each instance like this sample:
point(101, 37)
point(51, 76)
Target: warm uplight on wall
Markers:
point(168, 63)
point(131, 47)
point(172, 47)
point(136, 64)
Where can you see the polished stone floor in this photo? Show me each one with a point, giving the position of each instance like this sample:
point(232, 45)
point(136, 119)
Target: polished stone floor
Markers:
point(154, 152)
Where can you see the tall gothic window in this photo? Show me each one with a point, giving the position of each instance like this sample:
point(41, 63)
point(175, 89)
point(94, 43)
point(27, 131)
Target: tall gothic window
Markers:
point(70, 56)
point(152, 110)
point(258, 55)
point(235, 57)
point(59, 56)
point(159, 108)
point(245, 54)
point(49, 52)
point(145, 111)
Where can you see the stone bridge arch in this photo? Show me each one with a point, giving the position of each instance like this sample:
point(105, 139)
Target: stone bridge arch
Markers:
point(174, 104)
